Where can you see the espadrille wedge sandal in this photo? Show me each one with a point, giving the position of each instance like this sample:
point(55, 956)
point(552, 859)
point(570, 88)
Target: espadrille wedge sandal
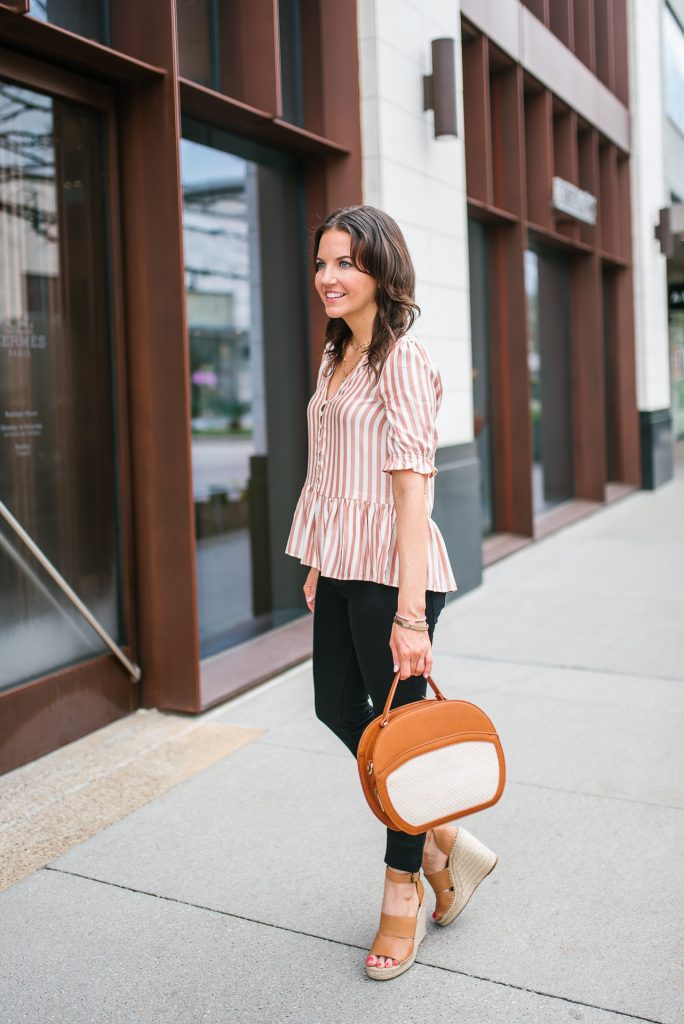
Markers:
point(394, 933)
point(469, 862)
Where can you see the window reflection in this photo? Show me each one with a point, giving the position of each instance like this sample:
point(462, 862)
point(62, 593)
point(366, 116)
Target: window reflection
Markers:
point(85, 17)
point(228, 429)
point(547, 286)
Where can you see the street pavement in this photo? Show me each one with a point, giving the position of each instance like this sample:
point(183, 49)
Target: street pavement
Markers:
point(249, 892)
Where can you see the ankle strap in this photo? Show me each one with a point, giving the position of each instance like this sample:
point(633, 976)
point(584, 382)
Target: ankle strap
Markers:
point(402, 876)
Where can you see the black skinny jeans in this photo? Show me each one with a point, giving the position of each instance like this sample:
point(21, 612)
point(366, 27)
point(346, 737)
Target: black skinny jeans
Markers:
point(352, 662)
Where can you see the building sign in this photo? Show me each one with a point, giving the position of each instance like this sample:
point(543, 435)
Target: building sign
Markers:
point(567, 198)
point(19, 336)
point(675, 296)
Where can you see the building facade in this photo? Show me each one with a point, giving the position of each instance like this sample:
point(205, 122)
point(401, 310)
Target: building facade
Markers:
point(163, 166)
point(672, 33)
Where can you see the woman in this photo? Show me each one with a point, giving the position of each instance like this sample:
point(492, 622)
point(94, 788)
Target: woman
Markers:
point(379, 566)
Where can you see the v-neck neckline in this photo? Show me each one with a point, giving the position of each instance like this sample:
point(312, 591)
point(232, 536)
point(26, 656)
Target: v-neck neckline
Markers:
point(326, 381)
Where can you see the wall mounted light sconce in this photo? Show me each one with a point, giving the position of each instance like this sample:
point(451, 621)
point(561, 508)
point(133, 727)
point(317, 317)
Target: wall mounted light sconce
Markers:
point(439, 88)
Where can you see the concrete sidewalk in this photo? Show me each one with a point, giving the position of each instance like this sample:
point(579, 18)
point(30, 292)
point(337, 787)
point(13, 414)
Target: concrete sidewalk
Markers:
point(244, 895)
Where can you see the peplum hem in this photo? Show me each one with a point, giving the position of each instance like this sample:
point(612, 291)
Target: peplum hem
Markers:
point(352, 538)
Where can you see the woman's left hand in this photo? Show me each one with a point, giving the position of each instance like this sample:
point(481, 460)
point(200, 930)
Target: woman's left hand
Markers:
point(411, 650)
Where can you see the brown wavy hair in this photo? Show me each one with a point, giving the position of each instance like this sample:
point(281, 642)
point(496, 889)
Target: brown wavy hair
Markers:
point(378, 248)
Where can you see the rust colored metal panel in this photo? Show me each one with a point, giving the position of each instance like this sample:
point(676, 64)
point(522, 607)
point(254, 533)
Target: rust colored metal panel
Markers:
point(564, 515)
point(609, 230)
point(158, 364)
point(40, 39)
point(539, 156)
point(476, 112)
point(53, 710)
point(251, 663)
point(562, 21)
point(508, 140)
point(225, 112)
point(250, 53)
point(343, 180)
point(621, 375)
point(540, 9)
point(341, 97)
point(566, 165)
point(565, 157)
point(585, 32)
point(511, 436)
point(588, 386)
point(312, 70)
point(588, 168)
point(620, 50)
point(605, 61)
point(620, 347)
point(624, 204)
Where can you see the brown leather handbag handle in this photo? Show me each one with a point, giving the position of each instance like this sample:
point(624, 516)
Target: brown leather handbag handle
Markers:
point(385, 716)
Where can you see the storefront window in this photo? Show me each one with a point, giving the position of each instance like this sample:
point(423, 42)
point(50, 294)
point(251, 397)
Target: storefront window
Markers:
point(479, 318)
point(244, 298)
point(57, 452)
point(85, 17)
point(677, 358)
point(547, 285)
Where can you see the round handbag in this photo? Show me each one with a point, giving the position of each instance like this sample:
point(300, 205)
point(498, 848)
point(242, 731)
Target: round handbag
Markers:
point(430, 762)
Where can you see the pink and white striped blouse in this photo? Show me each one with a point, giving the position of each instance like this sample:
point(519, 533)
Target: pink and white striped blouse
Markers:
point(345, 520)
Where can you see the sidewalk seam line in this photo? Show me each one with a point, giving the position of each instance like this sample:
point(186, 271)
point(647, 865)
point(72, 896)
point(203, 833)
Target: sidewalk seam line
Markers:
point(348, 945)
point(558, 665)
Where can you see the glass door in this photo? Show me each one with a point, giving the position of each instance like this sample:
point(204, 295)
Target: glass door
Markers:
point(245, 261)
point(59, 457)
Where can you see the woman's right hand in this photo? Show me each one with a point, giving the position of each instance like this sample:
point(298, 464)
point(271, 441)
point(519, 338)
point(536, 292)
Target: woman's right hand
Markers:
point(310, 585)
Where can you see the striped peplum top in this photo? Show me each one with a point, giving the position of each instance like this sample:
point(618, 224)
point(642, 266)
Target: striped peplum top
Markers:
point(344, 523)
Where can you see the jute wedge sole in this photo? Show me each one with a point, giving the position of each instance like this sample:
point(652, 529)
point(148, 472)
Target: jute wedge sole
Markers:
point(469, 862)
point(394, 929)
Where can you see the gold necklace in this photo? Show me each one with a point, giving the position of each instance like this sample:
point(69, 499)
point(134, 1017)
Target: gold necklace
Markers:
point(345, 373)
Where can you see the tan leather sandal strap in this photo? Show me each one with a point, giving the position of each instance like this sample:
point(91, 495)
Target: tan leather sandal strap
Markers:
point(443, 901)
point(386, 945)
point(439, 880)
point(397, 927)
point(402, 876)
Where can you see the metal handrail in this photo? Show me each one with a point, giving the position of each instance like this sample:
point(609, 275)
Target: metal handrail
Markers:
point(133, 670)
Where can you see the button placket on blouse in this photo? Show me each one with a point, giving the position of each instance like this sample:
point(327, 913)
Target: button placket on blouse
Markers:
point(321, 432)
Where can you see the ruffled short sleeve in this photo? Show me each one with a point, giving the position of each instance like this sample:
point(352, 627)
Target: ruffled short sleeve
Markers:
point(408, 389)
